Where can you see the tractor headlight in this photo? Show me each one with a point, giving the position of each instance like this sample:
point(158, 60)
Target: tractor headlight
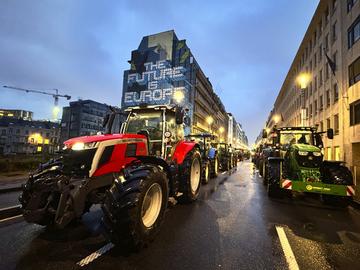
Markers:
point(303, 153)
point(317, 154)
point(82, 146)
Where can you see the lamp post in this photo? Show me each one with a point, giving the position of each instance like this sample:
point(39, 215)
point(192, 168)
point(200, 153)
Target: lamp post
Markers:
point(303, 81)
point(209, 120)
point(221, 131)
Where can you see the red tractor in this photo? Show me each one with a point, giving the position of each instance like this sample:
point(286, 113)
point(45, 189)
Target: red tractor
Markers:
point(132, 174)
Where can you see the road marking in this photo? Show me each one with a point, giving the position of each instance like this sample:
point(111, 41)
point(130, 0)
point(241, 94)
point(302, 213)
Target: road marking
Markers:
point(10, 218)
point(93, 256)
point(289, 255)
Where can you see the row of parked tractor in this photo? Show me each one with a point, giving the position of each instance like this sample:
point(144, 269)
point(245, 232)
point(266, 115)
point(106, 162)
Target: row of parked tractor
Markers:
point(132, 173)
point(291, 159)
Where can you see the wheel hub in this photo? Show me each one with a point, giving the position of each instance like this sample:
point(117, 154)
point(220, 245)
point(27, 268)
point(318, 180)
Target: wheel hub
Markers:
point(151, 205)
point(195, 175)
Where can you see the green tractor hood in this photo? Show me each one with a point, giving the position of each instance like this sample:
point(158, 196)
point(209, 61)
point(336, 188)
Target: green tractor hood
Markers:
point(306, 147)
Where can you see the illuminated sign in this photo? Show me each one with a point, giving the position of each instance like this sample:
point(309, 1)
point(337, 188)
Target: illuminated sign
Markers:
point(157, 79)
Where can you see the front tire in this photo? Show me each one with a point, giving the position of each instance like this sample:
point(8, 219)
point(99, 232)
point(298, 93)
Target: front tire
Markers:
point(206, 177)
point(215, 169)
point(135, 209)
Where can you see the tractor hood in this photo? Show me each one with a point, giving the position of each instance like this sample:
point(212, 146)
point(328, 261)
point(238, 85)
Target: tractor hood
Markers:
point(99, 138)
point(306, 147)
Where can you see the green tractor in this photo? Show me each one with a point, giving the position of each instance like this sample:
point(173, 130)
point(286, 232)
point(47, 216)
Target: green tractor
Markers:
point(225, 154)
point(295, 163)
point(209, 155)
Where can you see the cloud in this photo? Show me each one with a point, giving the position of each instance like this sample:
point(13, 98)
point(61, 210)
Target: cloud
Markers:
point(82, 47)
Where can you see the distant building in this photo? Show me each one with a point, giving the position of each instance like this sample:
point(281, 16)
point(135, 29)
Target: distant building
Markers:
point(19, 136)
point(236, 135)
point(331, 98)
point(81, 118)
point(19, 114)
point(163, 67)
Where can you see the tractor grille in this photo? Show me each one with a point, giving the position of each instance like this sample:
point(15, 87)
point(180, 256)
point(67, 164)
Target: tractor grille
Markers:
point(78, 162)
point(309, 161)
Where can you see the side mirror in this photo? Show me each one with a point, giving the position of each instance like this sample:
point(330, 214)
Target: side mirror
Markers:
point(179, 115)
point(264, 134)
point(330, 133)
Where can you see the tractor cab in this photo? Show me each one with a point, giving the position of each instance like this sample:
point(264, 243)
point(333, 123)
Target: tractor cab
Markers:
point(162, 125)
point(204, 141)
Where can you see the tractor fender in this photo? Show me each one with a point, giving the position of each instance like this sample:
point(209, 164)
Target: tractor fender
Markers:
point(156, 161)
point(182, 149)
point(275, 159)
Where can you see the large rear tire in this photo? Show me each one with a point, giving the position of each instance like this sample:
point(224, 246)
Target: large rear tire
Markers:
point(190, 177)
point(135, 209)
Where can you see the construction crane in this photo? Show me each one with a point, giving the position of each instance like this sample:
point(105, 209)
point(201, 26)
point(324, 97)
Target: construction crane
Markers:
point(55, 95)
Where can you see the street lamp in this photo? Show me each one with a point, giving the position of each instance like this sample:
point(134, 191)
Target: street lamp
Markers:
point(178, 96)
point(209, 120)
point(276, 118)
point(303, 80)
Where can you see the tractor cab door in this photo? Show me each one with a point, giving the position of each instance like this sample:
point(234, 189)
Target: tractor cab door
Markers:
point(150, 123)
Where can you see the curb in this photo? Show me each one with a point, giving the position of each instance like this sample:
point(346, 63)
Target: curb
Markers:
point(10, 211)
point(10, 189)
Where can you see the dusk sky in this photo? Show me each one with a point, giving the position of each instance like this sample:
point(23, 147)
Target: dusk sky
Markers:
point(81, 47)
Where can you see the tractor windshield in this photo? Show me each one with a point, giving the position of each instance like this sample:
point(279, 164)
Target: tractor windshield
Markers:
point(296, 137)
point(150, 122)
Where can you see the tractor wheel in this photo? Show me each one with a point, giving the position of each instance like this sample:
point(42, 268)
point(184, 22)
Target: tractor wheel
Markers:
point(206, 177)
point(215, 169)
point(273, 181)
point(265, 174)
point(134, 210)
point(190, 177)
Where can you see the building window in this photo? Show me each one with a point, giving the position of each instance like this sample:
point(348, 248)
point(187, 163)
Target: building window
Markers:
point(310, 110)
point(328, 123)
point(336, 92)
point(328, 153)
point(320, 28)
point(327, 72)
point(334, 58)
point(337, 153)
point(336, 124)
point(355, 113)
point(321, 104)
point(315, 60)
point(315, 84)
point(328, 98)
point(321, 126)
point(327, 42)
point(315, 107)
point(333, 32)
point(327, 16)
point(334, 5)
point(320, 77)
point(350, 4)
point(354, 72)
point(320, 53)
point(354, 32)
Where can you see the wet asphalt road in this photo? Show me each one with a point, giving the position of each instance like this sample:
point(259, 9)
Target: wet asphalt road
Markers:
point(9, 199)
point(231, 226)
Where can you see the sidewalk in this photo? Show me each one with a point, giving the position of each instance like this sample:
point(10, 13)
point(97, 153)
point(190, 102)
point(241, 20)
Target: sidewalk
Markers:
point(13, 180)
